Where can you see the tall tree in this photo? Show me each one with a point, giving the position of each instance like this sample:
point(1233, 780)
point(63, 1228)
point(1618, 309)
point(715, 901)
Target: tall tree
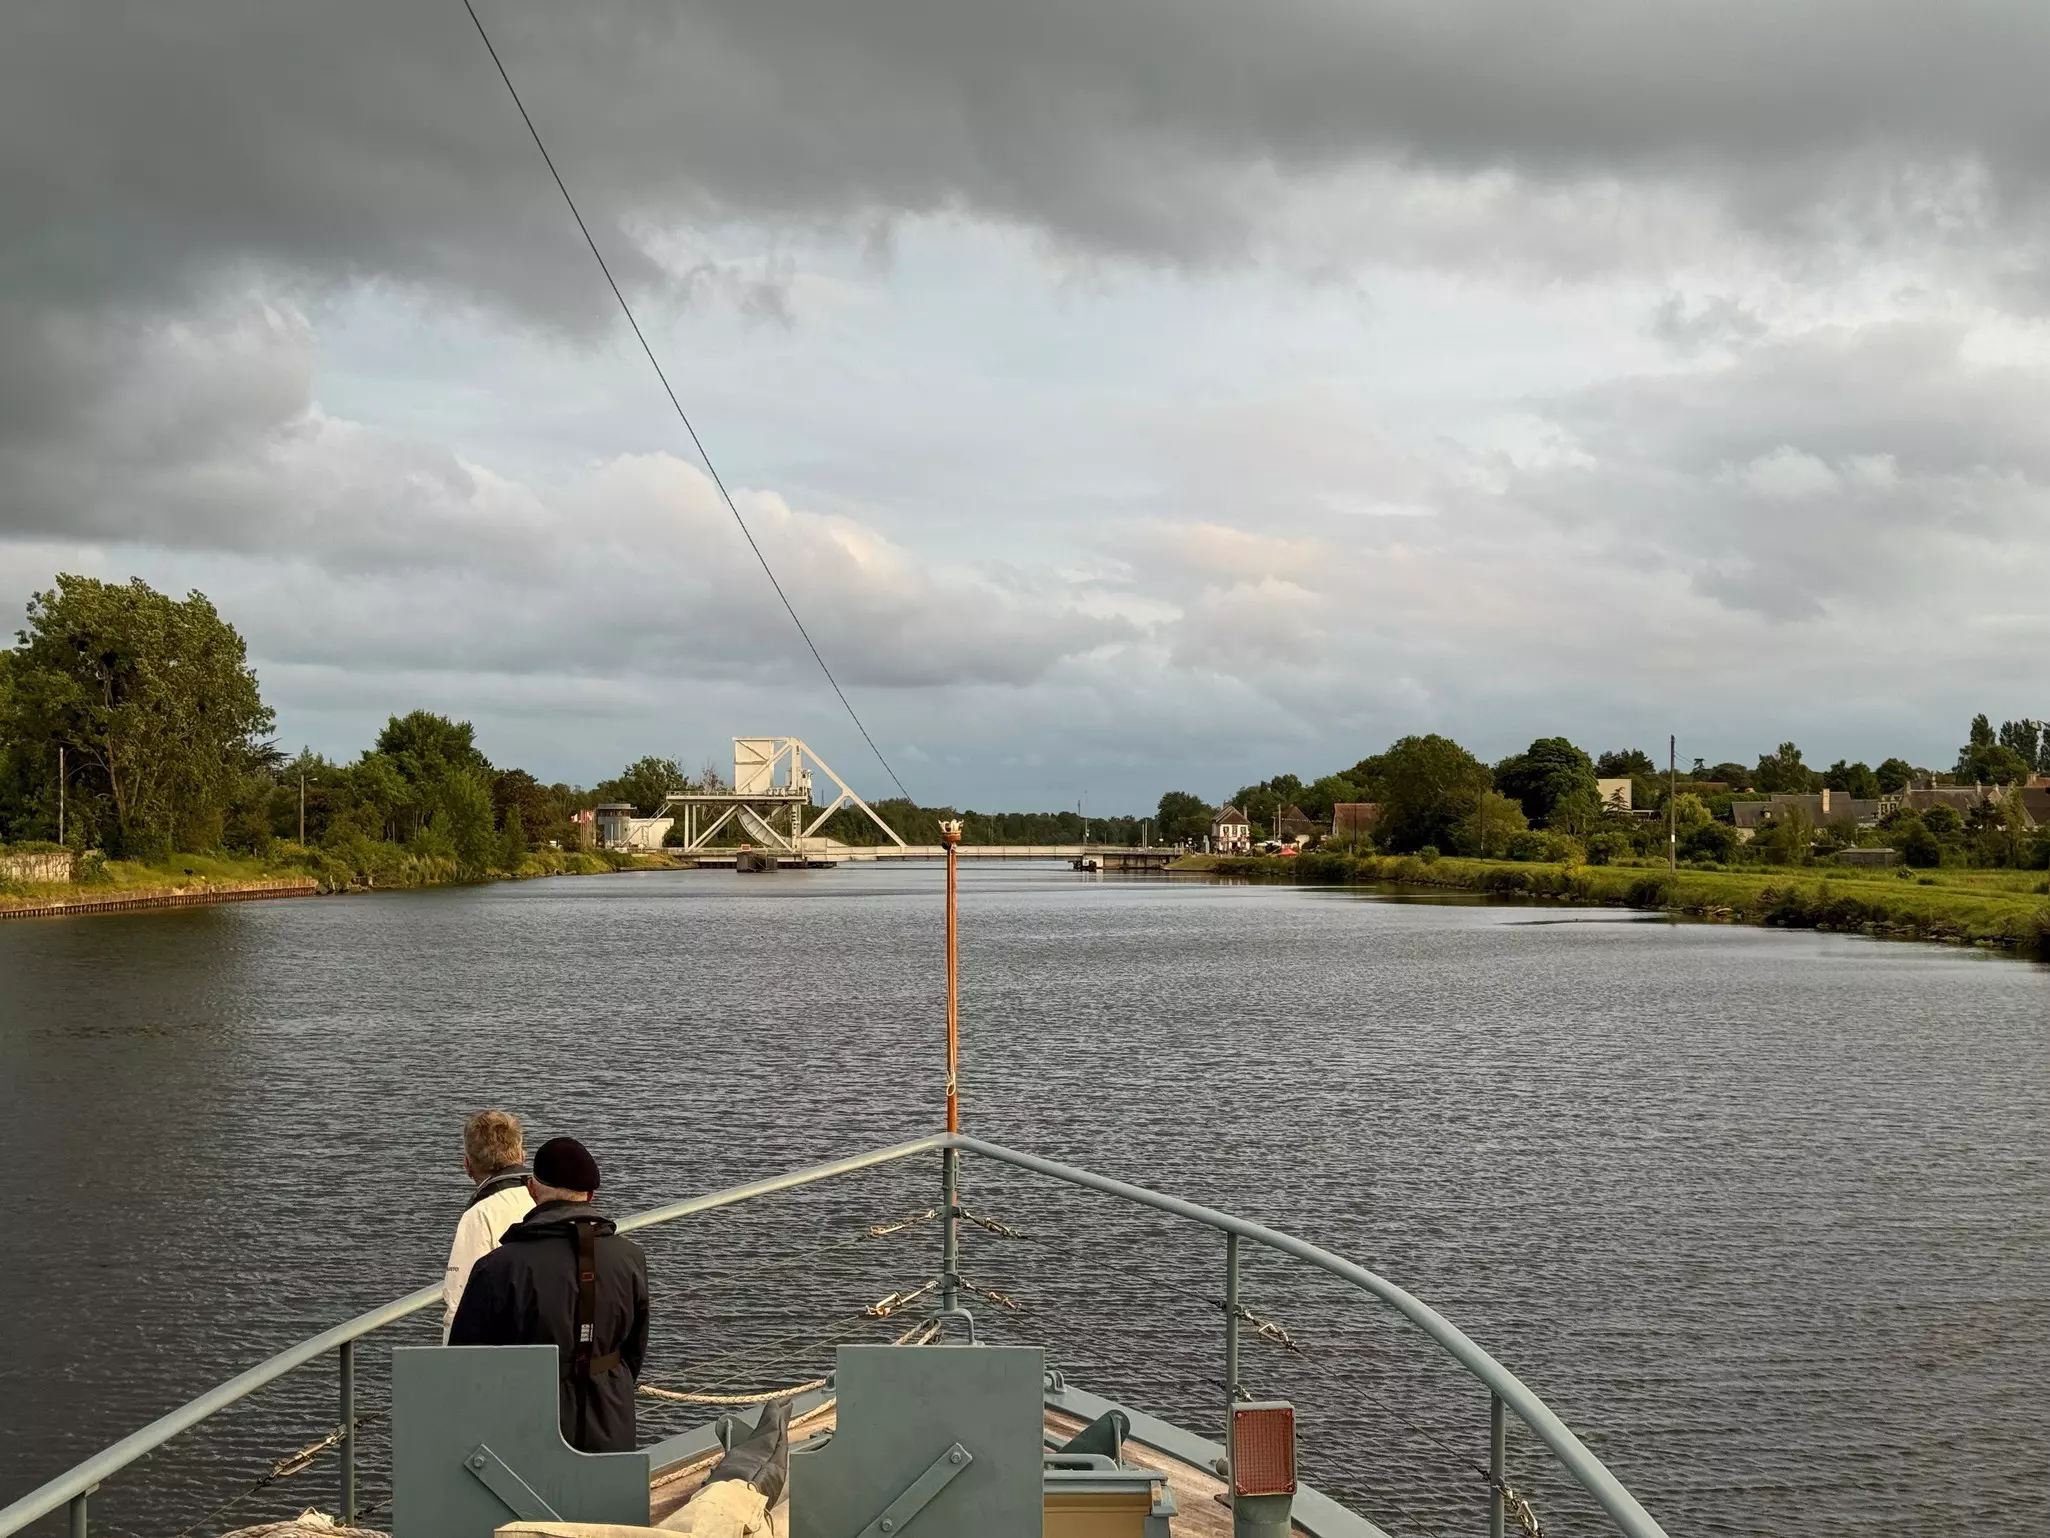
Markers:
point(1543, 773)
point(643, 783)
point(153, 700)
point(1852, 779)
point(1986, 761)
point(1181, 818)
point(2029, 740)
point(1634, 762)
point(1784, 772)
point(1428, 785)
point(1487, 829)
point(1894, 776)
point(517, 796)
point(426, 748)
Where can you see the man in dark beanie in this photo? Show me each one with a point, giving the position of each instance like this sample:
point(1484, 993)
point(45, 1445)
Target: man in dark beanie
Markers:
point(563, 1276)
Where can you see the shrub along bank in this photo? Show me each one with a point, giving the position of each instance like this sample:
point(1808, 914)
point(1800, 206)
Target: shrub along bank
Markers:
point(2009, 911)
point(374, 865)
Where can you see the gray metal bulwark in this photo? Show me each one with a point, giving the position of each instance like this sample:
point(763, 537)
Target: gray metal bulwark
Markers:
point(903, 1415)
point(477, 1443)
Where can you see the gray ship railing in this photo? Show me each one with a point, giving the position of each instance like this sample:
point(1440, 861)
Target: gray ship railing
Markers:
point(72, 1491)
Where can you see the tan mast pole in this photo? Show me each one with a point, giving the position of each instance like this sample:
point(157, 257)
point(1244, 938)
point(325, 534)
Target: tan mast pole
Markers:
point(950, 835)
point(950, 1167)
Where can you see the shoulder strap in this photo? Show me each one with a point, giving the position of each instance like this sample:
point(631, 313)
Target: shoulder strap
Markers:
point(588, 1365)
point(584, 1367)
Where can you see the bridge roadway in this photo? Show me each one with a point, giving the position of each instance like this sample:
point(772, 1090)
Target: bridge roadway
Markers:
point(1081, 856)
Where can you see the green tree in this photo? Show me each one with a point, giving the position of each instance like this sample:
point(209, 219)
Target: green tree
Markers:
point(1709, 840)
point(463, 817)
point(514, 792)
point(1607, 846)
point(152, 699)
point(1487, 829)
point(1986, 761)
point(1577, 813)
point(1690, 811)
point(1181, 818)
point(1734, 775)
point(380, 801)
point(1784, 772)
point(2029, 741)
point(1894, 775)
point(1999, 833)
point(1853, 780)
point(1788, 839)
point(426, 748)
point(1543, 773)
point(1917, 845)
point(1633, 762)
point(1320, 795)
point(1263, 802)
point(512, 840)
point(643, 783)
point(1945, 824)
point(1428, 785)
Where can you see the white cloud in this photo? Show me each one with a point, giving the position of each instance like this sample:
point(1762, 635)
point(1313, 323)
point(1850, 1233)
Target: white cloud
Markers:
point(1786, 475)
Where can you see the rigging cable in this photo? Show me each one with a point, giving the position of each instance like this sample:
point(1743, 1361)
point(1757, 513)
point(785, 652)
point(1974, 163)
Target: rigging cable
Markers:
point(681, 415)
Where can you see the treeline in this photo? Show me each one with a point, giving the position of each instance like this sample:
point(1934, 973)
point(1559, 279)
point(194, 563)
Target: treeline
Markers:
point(921, 825)
point(144, 709)
point(1544, 803)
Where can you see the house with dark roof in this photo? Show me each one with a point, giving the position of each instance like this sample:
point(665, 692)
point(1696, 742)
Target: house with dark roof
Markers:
point(1962, 799)
point(1294, 826)
point(1821, 809)
point(1353, 822)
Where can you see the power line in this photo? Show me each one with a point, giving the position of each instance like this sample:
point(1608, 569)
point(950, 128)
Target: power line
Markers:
point(681, 415)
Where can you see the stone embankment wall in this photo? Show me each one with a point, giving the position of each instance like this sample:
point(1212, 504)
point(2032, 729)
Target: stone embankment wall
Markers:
point(42, 867)
point(180, 897)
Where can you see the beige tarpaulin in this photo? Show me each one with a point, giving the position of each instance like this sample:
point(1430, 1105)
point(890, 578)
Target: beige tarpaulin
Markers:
point(731, 1508)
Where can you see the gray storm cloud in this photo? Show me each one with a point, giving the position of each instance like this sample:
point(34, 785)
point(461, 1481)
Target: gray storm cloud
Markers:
point(182, 185)
point(143, 146)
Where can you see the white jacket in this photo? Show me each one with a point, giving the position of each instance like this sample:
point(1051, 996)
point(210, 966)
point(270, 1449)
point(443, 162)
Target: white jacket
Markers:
point(477, 1236)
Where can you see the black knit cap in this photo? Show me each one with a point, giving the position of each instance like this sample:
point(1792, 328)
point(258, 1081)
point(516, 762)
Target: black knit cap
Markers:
point(567, 1165)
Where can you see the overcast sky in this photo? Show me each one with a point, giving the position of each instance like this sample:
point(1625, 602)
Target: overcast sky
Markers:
point(1131, 394)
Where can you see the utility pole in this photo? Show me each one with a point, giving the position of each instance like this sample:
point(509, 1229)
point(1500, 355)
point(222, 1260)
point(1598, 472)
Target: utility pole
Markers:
point(1673, 803)
point(60, 792)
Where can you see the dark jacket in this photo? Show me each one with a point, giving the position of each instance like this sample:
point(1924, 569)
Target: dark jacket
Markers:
point(524, 1293)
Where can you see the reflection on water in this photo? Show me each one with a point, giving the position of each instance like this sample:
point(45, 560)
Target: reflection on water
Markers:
point(1766, 1217)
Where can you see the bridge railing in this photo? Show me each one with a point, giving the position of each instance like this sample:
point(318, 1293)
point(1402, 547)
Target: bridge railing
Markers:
point(72, 1490)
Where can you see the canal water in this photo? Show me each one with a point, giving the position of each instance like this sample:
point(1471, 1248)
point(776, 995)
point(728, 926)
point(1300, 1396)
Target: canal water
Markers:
point(1764, 1216)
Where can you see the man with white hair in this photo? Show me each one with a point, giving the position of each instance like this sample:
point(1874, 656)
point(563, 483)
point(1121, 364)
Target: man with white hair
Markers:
point(495, 1158)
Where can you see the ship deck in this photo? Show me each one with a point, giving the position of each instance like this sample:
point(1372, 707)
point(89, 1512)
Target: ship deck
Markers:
point(1198, 1492)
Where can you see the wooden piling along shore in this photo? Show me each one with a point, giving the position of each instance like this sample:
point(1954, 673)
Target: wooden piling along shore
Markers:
point(225, 892)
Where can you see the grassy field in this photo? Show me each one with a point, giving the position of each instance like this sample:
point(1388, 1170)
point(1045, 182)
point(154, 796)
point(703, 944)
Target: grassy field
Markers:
point(2008, 910)
point(375, 866)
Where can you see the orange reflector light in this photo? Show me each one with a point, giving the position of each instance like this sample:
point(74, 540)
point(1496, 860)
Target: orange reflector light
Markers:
point(1263, 1448)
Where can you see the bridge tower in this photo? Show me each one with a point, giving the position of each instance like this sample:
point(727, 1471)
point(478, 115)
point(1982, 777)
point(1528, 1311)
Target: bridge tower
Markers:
point(771, 800)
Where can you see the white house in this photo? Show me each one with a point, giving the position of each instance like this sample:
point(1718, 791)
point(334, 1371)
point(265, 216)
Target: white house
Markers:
point(1230, 833)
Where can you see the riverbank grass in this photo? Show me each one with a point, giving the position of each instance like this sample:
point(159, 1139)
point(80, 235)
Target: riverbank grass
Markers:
point(374, 866)
point(2007, 910)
